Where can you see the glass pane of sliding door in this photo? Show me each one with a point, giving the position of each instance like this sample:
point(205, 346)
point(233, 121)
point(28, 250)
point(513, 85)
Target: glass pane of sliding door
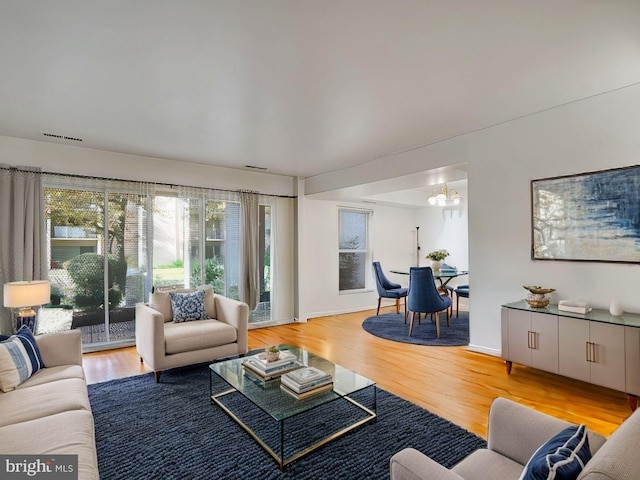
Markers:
point(126, 267)
point(262, 312)
point(221, 248)
point(96, 273)
point(231, 250)
point(75, 229)
point(168, 242)
point(194, 230)
point(196, 242)
point(215, 247)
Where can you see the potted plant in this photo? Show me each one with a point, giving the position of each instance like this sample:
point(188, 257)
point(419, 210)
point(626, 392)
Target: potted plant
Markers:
point(436, 257)
point(273, 354)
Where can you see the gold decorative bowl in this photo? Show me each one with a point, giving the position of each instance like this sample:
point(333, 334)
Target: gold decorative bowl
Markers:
point(538, 302)
point(539, 290)
point(537, 297)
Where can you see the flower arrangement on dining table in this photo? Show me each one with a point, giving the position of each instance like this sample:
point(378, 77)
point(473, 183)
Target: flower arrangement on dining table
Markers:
point(438, 255)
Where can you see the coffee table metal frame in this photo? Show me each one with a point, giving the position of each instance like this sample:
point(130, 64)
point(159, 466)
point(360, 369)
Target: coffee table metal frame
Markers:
point(282, 406)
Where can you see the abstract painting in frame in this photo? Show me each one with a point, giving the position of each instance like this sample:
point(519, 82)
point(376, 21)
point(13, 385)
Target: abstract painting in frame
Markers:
point(589, 217)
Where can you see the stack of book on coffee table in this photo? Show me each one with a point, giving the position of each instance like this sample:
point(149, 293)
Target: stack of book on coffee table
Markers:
point(268, 370)
point(307, 381)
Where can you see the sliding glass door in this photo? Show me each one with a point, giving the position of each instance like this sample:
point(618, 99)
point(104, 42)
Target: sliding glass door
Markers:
point(197, 241)
point(108, 249)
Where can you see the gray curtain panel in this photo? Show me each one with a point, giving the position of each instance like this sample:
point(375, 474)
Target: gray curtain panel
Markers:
point(250, 279)
point(23, 245)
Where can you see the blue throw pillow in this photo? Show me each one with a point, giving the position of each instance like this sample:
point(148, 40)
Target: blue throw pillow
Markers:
point(561, 458)
point(188, 306)
point(19, 359)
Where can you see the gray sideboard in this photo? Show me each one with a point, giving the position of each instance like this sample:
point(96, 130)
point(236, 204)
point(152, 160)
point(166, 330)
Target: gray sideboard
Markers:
point(597, 347)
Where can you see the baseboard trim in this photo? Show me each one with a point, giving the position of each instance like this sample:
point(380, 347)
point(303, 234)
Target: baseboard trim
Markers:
point(270, 323)
point(480, 349)
point(311, 315)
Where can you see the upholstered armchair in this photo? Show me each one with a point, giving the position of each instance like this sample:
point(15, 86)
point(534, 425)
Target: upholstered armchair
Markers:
point(521, 438)
point(188, 326)
point(388, 289)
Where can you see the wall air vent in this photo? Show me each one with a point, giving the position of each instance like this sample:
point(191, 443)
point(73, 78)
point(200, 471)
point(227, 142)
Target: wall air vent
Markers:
point(253, 167)
point(61, 137)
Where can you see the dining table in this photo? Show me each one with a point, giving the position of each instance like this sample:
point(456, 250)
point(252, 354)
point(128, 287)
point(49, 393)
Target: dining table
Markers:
point(444, 277)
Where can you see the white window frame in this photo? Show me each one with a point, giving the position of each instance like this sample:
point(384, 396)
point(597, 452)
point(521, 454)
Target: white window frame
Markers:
point(368, 250)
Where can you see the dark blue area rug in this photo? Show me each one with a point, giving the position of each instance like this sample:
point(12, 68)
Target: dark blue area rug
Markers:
point(171, 430)
point(391, 326)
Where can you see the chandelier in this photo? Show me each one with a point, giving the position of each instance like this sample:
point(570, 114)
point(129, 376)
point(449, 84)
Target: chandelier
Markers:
point(445, 197)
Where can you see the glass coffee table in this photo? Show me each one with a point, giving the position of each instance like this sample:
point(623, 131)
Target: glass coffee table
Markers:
point(285, 426)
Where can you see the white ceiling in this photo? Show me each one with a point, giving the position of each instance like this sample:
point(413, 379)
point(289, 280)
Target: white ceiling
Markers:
point(299, 87)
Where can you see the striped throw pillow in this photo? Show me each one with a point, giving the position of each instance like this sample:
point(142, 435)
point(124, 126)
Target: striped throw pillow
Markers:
point(19, 359)
point(560, 458)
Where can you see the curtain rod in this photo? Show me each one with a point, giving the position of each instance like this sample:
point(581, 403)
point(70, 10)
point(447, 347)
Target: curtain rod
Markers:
point(170, 185)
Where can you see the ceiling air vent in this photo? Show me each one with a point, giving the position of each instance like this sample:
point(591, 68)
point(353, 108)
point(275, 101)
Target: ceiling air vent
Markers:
point(61, 137)
point(253, 167)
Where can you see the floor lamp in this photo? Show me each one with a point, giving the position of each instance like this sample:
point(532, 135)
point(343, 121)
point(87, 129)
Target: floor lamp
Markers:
point(25, 295)
point(417, 246)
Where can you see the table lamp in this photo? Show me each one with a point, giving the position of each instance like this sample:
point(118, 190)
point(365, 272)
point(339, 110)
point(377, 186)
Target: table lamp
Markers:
point(25, 295)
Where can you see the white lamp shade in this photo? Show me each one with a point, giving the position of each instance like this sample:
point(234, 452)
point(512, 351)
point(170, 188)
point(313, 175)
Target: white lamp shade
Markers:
point(26, 294)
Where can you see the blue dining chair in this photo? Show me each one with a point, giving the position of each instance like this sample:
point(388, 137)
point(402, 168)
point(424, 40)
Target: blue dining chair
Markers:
point(461, 291)
point(388, 289)
point(423, 296)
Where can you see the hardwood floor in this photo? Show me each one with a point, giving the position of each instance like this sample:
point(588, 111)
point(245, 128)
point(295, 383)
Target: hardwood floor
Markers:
point(450, 381)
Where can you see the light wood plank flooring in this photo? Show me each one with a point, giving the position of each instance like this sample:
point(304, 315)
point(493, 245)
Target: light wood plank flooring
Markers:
point(450, 381)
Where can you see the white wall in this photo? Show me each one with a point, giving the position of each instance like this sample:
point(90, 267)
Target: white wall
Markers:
point(393, 245)
point(283, 291)
point(59, 158)
point(593, 134)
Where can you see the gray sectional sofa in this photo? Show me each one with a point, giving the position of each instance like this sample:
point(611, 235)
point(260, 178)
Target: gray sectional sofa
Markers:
point(515, 433)
point(50, 413)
